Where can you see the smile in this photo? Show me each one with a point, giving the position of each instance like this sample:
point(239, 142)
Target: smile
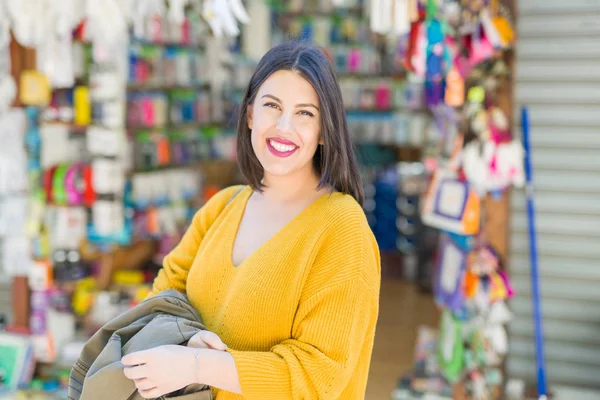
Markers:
point(281, 148)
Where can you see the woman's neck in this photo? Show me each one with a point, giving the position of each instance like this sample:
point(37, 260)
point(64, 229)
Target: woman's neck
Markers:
point(291, 188)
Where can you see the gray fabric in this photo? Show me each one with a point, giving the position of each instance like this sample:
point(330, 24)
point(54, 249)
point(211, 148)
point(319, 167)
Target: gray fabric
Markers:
point(166, 318)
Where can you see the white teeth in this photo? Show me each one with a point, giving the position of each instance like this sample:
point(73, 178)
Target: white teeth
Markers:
point(284, 148)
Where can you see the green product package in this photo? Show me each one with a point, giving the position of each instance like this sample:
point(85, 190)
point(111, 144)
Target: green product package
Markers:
point(450, 347)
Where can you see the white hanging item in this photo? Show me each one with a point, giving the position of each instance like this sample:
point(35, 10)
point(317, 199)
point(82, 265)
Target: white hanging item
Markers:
point(27, 21)
point(8, 92)
point(238, 10)
point(225, 14)
point(210, 16)
point(8, 87)
point(106, 24)
point(401, 17)
point(381, 16)
point(490, 167)
point(55, 53)
point(4, 41)
point(499, 314)
point(497, 336)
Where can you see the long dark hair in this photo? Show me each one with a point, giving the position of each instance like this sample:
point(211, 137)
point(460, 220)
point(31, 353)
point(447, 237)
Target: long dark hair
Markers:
point(334, 160)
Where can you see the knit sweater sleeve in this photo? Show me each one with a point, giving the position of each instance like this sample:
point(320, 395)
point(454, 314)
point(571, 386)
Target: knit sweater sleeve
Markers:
point(337, 314)
point(176, 264)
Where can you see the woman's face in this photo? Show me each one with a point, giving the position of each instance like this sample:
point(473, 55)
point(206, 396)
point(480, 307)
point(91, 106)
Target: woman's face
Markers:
point(285, 122)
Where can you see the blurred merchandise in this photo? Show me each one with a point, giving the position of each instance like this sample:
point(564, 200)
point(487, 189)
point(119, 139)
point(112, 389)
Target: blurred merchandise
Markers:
point(114, 134)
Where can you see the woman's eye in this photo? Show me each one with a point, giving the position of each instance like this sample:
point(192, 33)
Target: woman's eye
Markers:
point(272, 105)
point(307, 113)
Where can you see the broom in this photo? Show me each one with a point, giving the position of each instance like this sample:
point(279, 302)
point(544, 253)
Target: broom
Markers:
point(537, 309)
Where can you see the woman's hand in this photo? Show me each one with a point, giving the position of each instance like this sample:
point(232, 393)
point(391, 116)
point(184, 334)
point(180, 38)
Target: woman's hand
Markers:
point(161, 370)
point(207, 340)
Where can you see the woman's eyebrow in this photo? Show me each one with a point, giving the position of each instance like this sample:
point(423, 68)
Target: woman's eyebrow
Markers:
point(297, 105)
point(307, 105)
point(272, 97)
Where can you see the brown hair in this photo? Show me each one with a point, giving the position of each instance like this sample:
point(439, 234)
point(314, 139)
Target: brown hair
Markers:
point(334, 160)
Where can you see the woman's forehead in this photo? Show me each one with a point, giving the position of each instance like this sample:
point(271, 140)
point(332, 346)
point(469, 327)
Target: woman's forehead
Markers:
point(289, 86)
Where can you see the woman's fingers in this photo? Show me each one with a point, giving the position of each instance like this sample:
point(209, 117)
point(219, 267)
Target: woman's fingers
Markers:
point(144, 384)
point(197, 342)
point(207, 340)
point(150, 394)
point(139, 372)
point(213, 341)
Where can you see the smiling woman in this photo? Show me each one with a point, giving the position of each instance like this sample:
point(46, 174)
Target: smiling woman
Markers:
point(282, 127)
point(285, 272)
point(295, 90)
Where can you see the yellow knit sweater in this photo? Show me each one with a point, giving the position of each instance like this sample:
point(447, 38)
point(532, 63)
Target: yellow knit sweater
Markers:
point(299, 314)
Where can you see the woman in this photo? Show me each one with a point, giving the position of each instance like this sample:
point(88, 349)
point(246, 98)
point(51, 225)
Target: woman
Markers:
point(285, 271)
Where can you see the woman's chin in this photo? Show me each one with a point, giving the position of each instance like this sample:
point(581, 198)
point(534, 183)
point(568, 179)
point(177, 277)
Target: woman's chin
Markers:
point(278, 170)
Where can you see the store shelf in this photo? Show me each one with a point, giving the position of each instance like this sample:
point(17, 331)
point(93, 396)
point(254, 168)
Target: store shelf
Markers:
point(146, 42)
point(370, 75)
point(144, 87)
point(357, 11)
point(191, 165)
point(190, 125)
point(370, 110)
point(194, 164)
point(71, 125)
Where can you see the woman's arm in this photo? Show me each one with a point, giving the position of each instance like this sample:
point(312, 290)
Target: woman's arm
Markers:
point(176, 264)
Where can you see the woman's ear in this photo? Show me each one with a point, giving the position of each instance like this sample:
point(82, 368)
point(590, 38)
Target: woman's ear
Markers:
point(249, 111)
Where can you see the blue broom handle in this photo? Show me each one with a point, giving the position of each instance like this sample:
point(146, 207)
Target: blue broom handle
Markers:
point(537, 308)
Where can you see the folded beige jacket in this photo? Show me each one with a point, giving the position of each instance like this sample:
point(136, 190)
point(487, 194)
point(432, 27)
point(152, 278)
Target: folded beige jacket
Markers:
point(166, 318)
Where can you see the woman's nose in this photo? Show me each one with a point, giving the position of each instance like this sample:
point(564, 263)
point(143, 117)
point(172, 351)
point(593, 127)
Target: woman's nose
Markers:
point(285, 125)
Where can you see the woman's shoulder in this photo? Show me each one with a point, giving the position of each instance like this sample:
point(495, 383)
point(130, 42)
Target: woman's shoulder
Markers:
point(342, 211)
point(225, 195)
point(343, 221)
point(217, 202)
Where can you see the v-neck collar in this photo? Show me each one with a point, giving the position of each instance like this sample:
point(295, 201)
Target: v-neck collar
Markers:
point(240, 210)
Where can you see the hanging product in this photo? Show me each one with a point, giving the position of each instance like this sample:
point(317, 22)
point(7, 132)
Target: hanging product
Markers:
point(8, 87)
point(222, 16)
point(492, 168)
point(453, 56)
point(34, 88)
point(450, 347)
point(391, 16)
point(450, 275)
point(451, 204)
